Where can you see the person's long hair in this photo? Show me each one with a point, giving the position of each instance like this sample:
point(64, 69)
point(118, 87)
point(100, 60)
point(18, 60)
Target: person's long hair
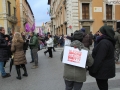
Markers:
point(17, 38)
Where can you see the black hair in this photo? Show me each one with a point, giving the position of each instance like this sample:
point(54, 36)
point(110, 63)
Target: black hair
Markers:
point(1, 28)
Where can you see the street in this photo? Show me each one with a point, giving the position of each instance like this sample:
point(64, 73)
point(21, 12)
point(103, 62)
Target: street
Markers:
point(49, 76)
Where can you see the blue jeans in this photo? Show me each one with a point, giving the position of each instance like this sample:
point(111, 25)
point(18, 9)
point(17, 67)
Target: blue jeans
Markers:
point(3, 73)
point(32, 55)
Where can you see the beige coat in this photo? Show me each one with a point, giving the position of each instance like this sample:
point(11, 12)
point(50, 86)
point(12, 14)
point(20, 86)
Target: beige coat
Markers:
point(19, 55)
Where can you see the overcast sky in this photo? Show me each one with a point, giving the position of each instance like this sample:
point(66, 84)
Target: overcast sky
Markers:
point(39, 8)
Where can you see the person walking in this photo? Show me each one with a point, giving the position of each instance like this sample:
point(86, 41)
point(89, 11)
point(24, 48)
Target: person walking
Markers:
point(34, 49)
point(103, 67)
point(19, 55)
point(75, 76)
point(50, 46)
point(117, 46)
point(4, 56)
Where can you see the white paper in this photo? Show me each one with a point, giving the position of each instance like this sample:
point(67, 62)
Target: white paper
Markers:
point(75, 57)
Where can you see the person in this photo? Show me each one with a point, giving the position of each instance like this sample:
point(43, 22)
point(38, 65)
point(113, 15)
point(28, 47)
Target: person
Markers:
point(50, 46)
point(75, 76)
point(67, 41)
point(3, 53)
point(87, 40)
point(26, 41)
point(117, 46)
point(96, 35)
point(103, 67)
point(19, 55)
point(34, 48)
point(53, 44)
point(7, 38)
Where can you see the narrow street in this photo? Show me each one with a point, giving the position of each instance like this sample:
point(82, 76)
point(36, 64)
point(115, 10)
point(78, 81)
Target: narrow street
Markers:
point(49, 76)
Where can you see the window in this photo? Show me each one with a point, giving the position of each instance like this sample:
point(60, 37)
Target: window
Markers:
point(14, 11)
point(9, 8)
point(85, 11)
point(108, 11)
point(87, 29)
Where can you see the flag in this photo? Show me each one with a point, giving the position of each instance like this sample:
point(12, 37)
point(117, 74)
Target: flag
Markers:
point(27, 27)
point(33, 27)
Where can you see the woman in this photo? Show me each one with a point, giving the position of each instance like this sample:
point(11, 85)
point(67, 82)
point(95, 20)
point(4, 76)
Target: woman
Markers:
point(7, 38)
point(19, 55)
point(103, 54)
point(50, 45)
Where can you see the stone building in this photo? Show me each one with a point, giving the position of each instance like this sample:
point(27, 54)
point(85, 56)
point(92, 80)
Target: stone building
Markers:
point(8, 18)
point(24, 15)
point(70, 15)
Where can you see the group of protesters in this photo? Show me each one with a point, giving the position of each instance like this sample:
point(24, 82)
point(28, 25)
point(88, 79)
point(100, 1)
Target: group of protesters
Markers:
point(100, 64)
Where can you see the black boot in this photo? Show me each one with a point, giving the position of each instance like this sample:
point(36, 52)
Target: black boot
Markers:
point(25, 70)
point(18, 72)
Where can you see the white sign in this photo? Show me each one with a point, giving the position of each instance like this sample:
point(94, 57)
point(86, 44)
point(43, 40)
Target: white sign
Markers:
point(97, 9)
point(75, 57)
point(113, 2)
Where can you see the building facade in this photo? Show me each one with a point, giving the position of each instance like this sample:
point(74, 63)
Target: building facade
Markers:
point(48, 28)
point(24, 15)
point(70, 15)
point(8, 18)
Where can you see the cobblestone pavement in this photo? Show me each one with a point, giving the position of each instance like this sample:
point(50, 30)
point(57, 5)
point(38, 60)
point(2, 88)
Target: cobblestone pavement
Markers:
point(49, 76)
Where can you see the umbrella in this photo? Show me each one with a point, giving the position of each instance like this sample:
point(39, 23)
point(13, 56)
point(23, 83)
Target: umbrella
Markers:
point(11, 64)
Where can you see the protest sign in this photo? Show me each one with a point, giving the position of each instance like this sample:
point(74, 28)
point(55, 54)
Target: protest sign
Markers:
point(75, 57)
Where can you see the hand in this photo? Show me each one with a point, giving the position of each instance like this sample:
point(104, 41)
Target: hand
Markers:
point(9, 43)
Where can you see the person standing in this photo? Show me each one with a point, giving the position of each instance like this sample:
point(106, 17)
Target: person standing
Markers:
point(19, 55)
point(117, 46)
point(4, 56)
point(75, 76)
point(103, 67)
point(50, 46)
point(87, 40)
point(34, 48)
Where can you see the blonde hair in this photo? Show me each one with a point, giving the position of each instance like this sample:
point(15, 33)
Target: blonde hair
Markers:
point(17, 37)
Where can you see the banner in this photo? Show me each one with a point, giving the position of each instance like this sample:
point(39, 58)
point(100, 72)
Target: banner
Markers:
point(27, 27)
point(75, 57)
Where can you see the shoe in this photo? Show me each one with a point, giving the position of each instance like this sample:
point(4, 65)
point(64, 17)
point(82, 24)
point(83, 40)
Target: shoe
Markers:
point(54, 51)
point(25, 75)
point(19, 78)
point(25, 71)
point(6, 76)
point(19, 73)
point(34, 67)
point(32, 62)
point(45, 53)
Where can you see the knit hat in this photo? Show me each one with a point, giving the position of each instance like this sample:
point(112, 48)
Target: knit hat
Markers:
point(78, 35)
point(106, 30)
point(83, 29)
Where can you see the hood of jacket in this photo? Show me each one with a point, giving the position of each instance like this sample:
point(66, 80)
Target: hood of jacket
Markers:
point(77, 44)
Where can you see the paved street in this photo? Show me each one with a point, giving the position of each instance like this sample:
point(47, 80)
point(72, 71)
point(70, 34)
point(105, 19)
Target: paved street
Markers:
point(49, 76)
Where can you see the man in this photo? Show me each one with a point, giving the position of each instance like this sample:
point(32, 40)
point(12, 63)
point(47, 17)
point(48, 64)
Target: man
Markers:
point(117, 46)
point(87, 39)
point(34, 49)
point(3, 53)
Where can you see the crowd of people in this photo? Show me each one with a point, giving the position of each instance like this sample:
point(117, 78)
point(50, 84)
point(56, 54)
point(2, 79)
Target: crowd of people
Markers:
point(100, 64)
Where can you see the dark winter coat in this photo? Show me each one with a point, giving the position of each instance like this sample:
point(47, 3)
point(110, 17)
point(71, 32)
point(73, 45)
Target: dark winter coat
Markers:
point(87, 40)
point(18, 53)
point(104, 63)
point(3, 49)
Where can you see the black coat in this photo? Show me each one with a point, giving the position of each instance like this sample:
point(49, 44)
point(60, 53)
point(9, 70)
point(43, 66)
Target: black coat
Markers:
point(104, 63)
point(3, 49)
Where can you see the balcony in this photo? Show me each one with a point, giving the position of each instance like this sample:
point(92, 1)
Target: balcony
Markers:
point(12, 19)
point(24, 20)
